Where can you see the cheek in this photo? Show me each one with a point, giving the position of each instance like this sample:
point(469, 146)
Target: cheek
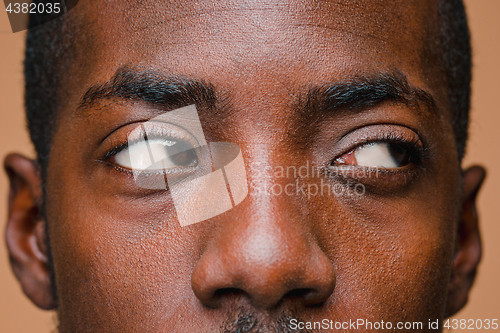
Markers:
point(393, 255)
point(118, 260)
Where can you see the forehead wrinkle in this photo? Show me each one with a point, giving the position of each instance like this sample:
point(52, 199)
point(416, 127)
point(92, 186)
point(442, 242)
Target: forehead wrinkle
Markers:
point(149, 16)
point(143, 15)
point(343, 31)
point(176, 20)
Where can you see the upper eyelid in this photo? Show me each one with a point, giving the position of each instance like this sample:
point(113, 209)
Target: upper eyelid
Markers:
point(165, 130)
point(162, 130)
point(388, 140)
point(391, 128)
point(149, 139)
point(377, 133)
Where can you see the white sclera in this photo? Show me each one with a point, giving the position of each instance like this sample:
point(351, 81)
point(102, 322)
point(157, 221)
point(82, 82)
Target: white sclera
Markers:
point(138, 155)
point(376, 155)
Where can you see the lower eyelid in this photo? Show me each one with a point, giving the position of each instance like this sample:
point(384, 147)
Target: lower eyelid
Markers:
point(376, 181)
point(408, 146)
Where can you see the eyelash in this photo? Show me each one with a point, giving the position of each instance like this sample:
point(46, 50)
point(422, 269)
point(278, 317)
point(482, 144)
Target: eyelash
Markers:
point(157, 134)
point(117, 149)
point(385, 181)
point(417, 149)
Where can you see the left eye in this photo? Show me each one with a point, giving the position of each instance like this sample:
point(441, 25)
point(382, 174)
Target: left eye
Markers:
point(377, 155)
point(156, 154)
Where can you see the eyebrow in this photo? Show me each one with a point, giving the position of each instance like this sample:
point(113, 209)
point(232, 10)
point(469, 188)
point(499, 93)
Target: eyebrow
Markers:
point(360, 92)
point(366, 91)
point(150, 86)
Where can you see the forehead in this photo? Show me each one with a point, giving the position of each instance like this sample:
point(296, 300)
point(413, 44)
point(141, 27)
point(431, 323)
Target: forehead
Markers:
point(225, 41)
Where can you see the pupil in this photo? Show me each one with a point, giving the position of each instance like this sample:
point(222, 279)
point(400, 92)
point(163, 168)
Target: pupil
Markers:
point(400, 154)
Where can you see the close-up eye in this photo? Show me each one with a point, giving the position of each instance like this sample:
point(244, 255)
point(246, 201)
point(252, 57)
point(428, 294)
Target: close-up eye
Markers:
point(156, 154)
point(389, 155)
point(156, 146)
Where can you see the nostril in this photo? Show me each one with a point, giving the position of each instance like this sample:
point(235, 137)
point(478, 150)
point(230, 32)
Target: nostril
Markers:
point(296, 293)
point(308, 296)
point(257, 269)
point(223, 295)
point(228, 292)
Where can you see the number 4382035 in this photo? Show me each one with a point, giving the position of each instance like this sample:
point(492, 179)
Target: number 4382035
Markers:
point(471, 324)
point(33, 8)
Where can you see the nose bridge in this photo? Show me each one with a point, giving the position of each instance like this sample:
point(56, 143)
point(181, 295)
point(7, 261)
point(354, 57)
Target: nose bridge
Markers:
point(270, 227)
point(265, 249)
point(268, 233)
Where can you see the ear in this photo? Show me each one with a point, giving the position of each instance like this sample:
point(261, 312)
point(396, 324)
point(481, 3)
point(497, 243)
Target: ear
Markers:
point(468, 244)
point(25, 234)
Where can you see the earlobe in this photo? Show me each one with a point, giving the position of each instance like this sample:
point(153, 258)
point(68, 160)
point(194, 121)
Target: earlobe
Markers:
point(468, 244)
point(26, 232)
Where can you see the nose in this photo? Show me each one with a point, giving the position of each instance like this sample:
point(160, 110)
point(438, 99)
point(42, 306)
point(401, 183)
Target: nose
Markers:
point(268, 254)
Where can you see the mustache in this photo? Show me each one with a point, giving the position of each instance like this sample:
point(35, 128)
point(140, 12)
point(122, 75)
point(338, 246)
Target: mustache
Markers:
point(243, 321)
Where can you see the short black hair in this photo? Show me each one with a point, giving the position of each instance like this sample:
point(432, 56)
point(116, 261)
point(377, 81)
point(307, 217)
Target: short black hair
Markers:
point(48, 56)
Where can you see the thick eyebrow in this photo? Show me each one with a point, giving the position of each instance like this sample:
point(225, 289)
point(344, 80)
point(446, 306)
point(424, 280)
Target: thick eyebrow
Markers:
point(150, 86)
point(147, 85)
point(362, 92)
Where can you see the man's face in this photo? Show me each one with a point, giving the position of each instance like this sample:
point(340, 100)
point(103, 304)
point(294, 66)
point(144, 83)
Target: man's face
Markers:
point(296, 83)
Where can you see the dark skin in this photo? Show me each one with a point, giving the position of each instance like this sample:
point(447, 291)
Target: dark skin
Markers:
point(406, 250)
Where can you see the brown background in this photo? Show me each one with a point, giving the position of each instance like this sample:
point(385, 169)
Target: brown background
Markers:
point(17, 314)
